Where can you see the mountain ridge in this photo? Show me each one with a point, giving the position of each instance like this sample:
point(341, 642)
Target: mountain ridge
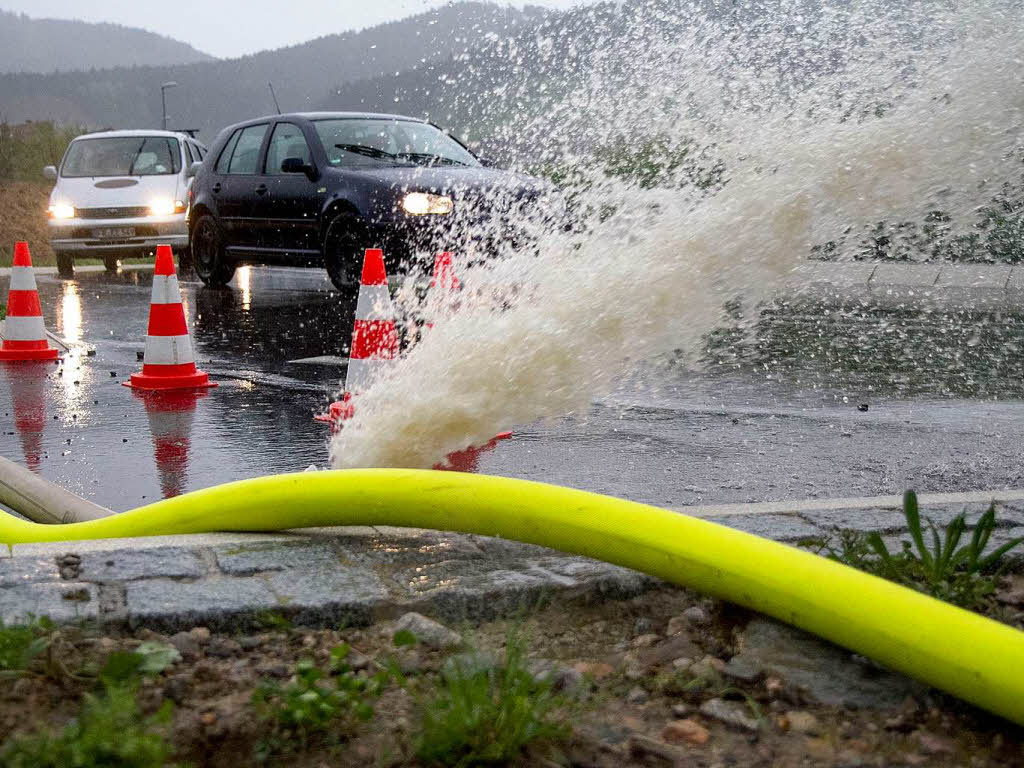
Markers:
point(44, 45)
point(212, 94)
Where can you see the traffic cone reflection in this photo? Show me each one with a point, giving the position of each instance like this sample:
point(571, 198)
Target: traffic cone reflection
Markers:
point(169, 362)
point(28, 386)
point(24, 333)
point(171, 414)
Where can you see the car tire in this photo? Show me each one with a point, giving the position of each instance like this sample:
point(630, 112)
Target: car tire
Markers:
point(111, 263)
point(344, 242)
point(65, 264)
point(208, 256)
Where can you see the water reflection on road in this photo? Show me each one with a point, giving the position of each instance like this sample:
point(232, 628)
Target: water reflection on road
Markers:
point(273, 339)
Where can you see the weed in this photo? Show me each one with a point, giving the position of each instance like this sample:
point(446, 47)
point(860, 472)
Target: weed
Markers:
point(272, 620)
point(110, 732)
point(22, 644)
point(125, 667)
point(489, 714)
point(963, 574)
point(315, 703)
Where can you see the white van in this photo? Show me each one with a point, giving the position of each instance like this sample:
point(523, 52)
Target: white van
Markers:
point(120, 193)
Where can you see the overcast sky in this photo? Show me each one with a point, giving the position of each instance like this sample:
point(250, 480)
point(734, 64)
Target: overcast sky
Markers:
point(235, 27)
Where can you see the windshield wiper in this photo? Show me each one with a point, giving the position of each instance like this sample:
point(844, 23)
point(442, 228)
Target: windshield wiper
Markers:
point(435, 159)
point(362, 149)
point(135, 158)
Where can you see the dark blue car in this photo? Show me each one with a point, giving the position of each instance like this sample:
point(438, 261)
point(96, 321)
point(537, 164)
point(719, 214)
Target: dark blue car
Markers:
point(315, 189)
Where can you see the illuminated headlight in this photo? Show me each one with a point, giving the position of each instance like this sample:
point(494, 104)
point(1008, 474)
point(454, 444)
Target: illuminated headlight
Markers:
point(61, 211)
point(423, 203)
point(166, 207)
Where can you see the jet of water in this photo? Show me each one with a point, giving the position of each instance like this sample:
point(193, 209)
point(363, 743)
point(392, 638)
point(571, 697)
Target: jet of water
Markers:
point(821, 117)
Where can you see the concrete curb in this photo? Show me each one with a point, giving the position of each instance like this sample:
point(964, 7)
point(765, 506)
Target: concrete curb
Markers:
point(356, 576)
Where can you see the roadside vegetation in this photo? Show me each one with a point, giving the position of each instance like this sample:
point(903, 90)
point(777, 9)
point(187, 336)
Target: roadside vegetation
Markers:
point(631, 682)
point(950, 564)
point(109, 730)
point(316, 707)
point(669, 162)
point(24, 150)
point(488, 712)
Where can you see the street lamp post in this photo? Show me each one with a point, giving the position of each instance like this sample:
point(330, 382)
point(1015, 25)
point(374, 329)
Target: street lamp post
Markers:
point(163, 99)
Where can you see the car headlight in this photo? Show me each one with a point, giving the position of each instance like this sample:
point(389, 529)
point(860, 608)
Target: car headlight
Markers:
point(166, 207)
point(61, 211)
point(423, 204)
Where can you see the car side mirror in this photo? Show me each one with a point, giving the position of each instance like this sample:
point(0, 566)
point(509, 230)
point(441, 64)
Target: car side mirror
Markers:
point(298, 165)
point(193, 169)
point(50, 173)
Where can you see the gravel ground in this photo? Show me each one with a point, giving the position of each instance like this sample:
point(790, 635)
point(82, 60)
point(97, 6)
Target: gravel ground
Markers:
point(665, 678)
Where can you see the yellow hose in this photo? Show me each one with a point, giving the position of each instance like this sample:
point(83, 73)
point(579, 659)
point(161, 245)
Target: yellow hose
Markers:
point(960, 652)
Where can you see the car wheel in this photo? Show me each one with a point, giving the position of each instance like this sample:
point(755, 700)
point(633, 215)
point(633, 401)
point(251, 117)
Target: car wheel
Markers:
point(111, 263)
point(344, 243)
point(65, 264)
point(208, 253)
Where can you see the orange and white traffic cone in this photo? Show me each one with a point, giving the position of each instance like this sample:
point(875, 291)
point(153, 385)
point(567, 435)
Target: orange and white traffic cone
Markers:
point(444, 279)
point(24, 332)
point(443, 286)
point(374, 337)
point(468, 459)
point(169, 362)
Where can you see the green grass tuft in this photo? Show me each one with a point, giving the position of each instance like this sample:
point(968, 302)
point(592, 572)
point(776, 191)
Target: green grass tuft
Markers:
point(489, 714)
point(22, 644)
point(315, 705)
point(110, 732)
point(943, 565)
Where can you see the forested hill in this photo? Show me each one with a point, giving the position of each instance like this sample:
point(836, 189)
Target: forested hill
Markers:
point(57, 45)
point(213, 94)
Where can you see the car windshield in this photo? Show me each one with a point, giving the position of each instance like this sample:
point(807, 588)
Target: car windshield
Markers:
point(363, 142)
point(123, 156)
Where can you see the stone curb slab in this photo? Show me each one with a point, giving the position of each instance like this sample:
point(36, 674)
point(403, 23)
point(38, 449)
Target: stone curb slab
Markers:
point(355, 576)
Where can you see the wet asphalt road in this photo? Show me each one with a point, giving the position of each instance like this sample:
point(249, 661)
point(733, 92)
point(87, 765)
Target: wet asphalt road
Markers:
point(693, 438)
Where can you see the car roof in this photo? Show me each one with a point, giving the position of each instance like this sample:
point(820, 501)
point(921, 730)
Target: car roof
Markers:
point(325, 116)
point(131, 132)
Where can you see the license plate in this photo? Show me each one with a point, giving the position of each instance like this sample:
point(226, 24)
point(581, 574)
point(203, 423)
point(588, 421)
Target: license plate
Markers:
point(113, 233)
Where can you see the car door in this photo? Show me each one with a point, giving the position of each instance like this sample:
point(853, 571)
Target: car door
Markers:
point(291, 207)
point(239, 188)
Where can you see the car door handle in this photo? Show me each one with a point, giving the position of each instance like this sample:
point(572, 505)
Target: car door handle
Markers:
point(216, 188)
point(261, 189)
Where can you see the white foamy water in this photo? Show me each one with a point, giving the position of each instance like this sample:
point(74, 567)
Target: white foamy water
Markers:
point(886, 116)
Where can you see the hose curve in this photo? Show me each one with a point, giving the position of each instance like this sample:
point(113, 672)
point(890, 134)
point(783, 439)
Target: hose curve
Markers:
point(960, 652)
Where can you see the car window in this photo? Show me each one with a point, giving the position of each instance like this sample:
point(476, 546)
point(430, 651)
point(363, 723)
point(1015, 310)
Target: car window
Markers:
point(286, 141)
point(368, 142)
point(246, 156)
point(122, 156)
point(225, 155)
point(189, 157)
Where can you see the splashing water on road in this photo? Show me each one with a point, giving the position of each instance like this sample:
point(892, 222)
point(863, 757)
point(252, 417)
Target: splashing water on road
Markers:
point(850, 118)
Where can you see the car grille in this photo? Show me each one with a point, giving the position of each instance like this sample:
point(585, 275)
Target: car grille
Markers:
point(124, 212)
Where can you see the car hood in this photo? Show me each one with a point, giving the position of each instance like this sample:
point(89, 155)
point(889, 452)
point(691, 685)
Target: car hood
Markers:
point(456, 181)
point(102, 192)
